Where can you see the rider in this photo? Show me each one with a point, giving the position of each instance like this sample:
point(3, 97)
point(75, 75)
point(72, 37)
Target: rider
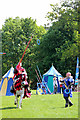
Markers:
point(27, 92)
point(20, 75)
point(16, 78)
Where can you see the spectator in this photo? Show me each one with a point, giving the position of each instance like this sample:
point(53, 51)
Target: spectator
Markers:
point(61, 85)
point(76, 85)
point(55, 85)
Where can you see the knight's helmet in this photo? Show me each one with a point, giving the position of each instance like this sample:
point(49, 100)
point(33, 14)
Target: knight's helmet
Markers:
point(19, 68)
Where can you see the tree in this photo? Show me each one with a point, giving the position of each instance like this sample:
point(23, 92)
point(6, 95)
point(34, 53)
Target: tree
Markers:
point(60, 45)
point(15, 36)
point(0, 56)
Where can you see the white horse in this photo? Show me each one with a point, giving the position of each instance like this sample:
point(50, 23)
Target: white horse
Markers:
point(19, 88)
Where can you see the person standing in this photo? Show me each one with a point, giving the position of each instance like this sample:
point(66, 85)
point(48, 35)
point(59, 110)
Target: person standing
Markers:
point(55, 85)
point(61, 85)
point(67, 92)
point(76, 85)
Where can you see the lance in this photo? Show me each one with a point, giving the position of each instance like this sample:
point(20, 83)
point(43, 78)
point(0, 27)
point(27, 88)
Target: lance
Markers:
point(25, 50)
point(37, 79)
point(23, 54)
point(42, 80)
point(39, 72)
point(37, 75)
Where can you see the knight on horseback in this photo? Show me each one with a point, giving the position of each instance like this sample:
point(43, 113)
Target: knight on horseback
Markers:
point(20, 85)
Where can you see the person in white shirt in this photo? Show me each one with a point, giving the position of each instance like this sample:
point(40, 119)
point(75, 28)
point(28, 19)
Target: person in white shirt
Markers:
point(55, 85)
point(61, 85)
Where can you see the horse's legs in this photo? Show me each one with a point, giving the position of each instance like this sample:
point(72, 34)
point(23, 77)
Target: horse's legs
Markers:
point(20, 102)
point(16, 100)
point(21, 97)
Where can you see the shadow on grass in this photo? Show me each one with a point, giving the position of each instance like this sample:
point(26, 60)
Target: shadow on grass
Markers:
point(8, 108)
point(58, 107)
point(61, 107)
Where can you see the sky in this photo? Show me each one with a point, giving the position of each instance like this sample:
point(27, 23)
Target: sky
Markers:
point(37, 9)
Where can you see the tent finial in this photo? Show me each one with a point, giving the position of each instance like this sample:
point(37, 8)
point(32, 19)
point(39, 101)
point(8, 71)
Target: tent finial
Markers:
point(52, 64)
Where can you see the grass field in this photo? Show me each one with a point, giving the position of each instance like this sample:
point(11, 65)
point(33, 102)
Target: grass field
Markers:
point(40, 106)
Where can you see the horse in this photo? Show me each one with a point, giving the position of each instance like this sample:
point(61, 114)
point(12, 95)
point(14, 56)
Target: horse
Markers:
point(21, 88)
point(19, 91)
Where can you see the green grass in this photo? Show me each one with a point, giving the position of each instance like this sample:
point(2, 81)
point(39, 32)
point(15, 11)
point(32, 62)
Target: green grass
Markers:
point(40, 106)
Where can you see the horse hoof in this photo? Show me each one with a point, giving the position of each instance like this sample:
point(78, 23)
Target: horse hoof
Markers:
point(15, 103)
point(20, 108)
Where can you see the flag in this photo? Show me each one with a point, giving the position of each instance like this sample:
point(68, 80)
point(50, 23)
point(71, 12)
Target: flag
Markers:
point(77, 72)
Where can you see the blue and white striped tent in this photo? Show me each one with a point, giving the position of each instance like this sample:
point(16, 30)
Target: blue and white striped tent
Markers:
point(48, 78)
point(6, 83)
